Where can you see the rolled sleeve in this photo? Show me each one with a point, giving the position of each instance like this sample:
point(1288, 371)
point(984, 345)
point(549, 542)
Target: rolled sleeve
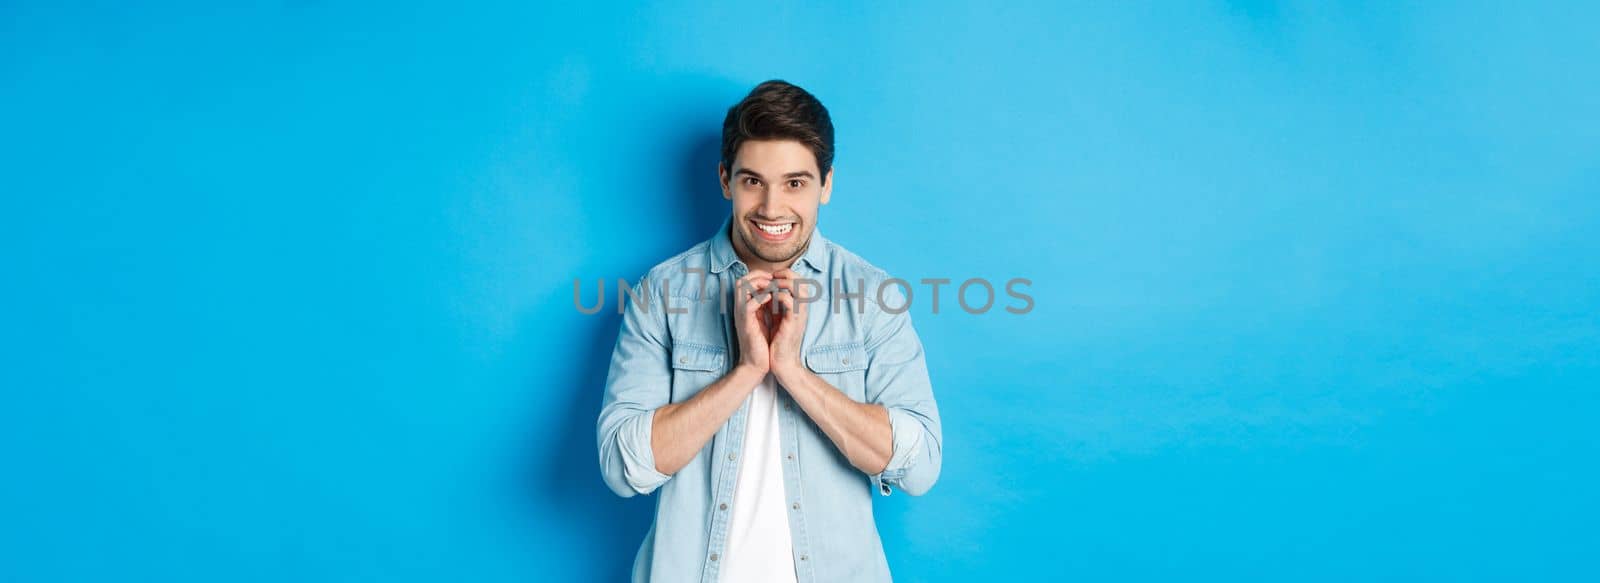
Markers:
point(638, 458)
point(908, 434)
point(639, 382)
point(897, 379)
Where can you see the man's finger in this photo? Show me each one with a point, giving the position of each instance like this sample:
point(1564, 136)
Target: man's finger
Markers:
point(749, 286)
point(800, 309)
point(788, 303)
point(779, 298)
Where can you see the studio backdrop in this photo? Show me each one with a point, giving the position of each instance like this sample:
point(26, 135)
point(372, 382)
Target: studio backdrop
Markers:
point(288, 286)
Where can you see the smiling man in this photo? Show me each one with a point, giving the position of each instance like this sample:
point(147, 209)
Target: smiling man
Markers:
point(767, 382)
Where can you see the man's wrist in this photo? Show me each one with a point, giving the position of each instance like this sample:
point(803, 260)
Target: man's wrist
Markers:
point(747, 374)
point(789, 374)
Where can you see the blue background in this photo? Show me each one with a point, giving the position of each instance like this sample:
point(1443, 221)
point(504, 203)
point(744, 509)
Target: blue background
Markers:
point(287, 286)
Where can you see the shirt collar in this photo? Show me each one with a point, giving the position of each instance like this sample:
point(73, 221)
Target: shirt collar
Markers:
point(723, 256)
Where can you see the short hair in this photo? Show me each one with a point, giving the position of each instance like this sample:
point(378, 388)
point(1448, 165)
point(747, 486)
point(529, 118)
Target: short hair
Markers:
point(779, 110)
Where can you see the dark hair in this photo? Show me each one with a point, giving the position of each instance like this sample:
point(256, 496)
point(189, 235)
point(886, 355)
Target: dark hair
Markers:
point(779, 110)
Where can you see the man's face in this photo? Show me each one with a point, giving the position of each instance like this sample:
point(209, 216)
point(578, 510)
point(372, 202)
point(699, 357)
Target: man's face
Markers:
point(776, 188)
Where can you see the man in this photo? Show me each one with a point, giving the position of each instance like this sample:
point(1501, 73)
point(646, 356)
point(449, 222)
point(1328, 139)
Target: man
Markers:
point(767, 381)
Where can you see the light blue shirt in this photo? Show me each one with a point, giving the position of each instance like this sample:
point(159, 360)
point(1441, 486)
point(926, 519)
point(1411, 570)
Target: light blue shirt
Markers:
point(677, 337)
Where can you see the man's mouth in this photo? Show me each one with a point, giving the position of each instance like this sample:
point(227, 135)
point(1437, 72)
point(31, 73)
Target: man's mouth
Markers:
point(773, 231)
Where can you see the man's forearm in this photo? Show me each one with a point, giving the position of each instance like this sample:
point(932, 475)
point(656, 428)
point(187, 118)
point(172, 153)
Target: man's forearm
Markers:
point(861, 431)
point(680, 430)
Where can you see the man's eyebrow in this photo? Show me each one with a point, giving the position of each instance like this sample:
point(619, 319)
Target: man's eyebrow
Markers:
point(798, 174)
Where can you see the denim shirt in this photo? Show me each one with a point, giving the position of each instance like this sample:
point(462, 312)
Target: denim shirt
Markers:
point(677, 337)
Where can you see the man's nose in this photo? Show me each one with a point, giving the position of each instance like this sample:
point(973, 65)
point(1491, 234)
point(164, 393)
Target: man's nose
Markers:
point(768, 208)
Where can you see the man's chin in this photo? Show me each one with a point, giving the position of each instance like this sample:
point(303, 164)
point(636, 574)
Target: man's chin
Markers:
point(775, 255)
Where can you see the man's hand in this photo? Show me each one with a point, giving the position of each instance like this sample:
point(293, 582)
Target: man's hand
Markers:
point(679, 431)
point(751, 322)
point(790, 324)
point(861, 431)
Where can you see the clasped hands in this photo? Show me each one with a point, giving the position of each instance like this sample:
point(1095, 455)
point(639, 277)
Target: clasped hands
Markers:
point(770, 319)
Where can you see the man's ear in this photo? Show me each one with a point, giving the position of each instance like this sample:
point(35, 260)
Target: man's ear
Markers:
point(827, 187)
point(722, 178)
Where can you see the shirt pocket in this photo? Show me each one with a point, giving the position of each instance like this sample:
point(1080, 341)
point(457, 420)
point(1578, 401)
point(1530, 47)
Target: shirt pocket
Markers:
point(843, 365)
point(694, 366)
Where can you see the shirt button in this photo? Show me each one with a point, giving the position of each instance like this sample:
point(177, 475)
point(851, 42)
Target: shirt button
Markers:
point(713, 556)
point(791, 456)
point(683, 360)
point(842, 361)
point(723, 506)
point(802, 557)
point(731, 456)
point(796, 505)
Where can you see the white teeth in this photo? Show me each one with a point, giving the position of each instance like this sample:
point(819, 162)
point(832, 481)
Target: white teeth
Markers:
point(776, 229)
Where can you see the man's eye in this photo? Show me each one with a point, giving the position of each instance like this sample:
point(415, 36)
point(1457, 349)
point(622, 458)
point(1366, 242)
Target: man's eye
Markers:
point(796, 183)
point(751, 181)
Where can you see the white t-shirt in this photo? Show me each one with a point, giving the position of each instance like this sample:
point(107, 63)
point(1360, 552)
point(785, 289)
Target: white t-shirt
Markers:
point(759, 548)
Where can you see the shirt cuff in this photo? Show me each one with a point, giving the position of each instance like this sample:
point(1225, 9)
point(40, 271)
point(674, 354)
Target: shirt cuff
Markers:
point(907, 434)
point(638, 459)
